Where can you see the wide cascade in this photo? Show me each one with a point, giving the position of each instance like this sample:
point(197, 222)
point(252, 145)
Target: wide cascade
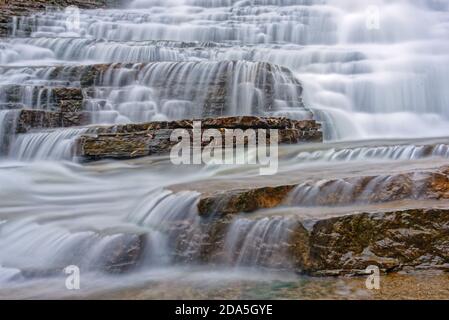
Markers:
point(378, 85)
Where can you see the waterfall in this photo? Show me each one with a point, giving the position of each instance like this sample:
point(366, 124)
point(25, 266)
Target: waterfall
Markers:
point(57, 144)
point(376, 75)
point(363, 82)
point(258, 242)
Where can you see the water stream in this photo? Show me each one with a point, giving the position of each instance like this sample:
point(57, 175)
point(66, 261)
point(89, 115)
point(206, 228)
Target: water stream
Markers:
point(381, 93)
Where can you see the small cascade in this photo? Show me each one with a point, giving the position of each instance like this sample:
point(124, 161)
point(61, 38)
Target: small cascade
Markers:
point(82, 49)
point(174, 90)
point(57, 144)
point(173, 223)
point(393, 152)
point(381, 94)
point(358, 191)
point(258, 242)
point(353, 78)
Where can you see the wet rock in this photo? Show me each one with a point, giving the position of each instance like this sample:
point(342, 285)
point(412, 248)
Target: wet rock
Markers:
point(35, 273)
point(425, 185)
point(243, 200)
point(345, 244)
point(123, 252)
point(137, 140)
point(417, 238)
point(30, 119)
point(39, 119)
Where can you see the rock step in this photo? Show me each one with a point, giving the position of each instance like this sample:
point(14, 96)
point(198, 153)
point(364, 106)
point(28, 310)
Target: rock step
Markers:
point(24, 120)
point(121, 253)
point(48, 97)
point(207, 89)
point(430, 184)
point(137, 140)
point(137, 43)
point(399, 224)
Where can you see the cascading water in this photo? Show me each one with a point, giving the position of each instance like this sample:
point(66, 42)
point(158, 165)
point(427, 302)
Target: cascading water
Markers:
point(176, 59)
point(364, 82)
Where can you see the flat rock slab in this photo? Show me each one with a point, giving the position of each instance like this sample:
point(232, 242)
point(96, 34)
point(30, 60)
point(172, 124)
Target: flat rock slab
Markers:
point(138, 140)
point(432, 184)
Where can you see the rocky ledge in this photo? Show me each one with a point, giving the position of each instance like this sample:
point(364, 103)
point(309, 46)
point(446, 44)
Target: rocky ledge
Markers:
point(401, 224)
point(423, 185)
point(406, 239)
point(137, 140)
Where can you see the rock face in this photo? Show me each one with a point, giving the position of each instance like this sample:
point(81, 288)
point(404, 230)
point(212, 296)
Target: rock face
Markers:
point(396, 240)
point(424, 185)
point(38, 119)
point(130, 141)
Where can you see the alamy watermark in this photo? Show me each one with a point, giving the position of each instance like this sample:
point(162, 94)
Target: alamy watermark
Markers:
point(73, 280)
point(226, 147)
point(373, 280)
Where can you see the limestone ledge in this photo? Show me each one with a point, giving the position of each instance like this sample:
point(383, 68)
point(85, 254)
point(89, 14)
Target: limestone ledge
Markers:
point(138, 140)
point(403, 226)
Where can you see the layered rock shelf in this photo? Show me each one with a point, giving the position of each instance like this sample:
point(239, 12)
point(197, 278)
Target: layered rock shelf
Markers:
point(137, 140)
point(400, 224)
point(423, 185)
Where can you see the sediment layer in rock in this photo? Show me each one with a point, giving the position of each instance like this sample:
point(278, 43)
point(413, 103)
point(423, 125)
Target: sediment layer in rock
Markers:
point(40, 119)
point(424, 185)
point(137, 140)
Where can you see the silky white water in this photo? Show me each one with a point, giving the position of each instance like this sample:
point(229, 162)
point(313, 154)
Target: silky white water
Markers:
point(365, 82)
point(381, 92)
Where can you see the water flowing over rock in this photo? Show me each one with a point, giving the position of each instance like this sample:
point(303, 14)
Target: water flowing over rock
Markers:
point(361, 114)
point(332, 236)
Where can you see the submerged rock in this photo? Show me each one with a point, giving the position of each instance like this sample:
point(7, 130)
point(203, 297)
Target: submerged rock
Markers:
point(123, 253)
